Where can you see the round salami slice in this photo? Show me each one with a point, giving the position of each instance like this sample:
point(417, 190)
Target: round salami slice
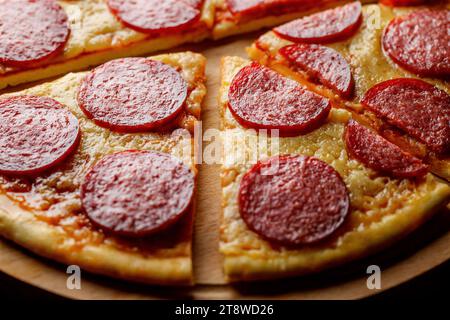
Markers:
point(293, 200)
point(321, 64)
point(416, 107)
point(132, 94)
point(260, 98)
point(379, 154)
point(419, 42)
point(326, 26)
point(31, 32)
point(37, 133)
point(137, 193)
point(156, 16)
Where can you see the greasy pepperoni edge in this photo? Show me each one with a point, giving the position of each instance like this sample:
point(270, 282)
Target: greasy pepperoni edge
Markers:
point(272, 223)
point(332, 19)
point(72, 129)
point(379, 154)
point(245, 103)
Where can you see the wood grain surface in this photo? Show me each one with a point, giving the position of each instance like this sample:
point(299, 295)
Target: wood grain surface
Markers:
point(420, 252)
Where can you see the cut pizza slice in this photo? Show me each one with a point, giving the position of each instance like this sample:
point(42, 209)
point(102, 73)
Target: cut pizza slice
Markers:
point(365, 64)
point(46, 38)
point(97, 168)
point(240, 16)
point(328, 190)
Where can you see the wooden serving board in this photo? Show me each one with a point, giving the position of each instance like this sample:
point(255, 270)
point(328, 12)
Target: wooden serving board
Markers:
point(420, 252)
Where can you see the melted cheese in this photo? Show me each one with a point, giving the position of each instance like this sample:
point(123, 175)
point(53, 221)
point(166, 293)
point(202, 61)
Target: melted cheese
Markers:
point(54, 197)
point(375, 199)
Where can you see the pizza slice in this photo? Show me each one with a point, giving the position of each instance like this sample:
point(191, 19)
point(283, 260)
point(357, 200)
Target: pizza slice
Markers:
point(97, 168)
point(388, 65)
point(306, 187)
point(45, 38)
point(240, 16)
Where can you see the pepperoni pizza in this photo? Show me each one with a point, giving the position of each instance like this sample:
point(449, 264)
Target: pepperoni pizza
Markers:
point(96, 170)
point(44, 38)
point(238, 16)
point(332, 191)
point(389, 66)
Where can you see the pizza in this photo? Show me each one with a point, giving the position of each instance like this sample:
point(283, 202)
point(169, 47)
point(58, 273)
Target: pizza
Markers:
point(97, 168)
point(376, 55)
point(325, 190)
point(335, 134)
point(237, 16)
point(45, 38)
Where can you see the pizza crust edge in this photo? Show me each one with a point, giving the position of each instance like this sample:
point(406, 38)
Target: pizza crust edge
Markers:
point(23, 228)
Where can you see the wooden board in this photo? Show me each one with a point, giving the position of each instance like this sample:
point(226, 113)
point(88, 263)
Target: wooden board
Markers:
point(418, 253)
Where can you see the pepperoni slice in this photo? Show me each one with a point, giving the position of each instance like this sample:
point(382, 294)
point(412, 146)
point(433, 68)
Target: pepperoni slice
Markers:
point(137, 193)
point(262, 99)
point(37, 133)
point(323, 64)
point(156, 16)
point(419, 42)
point(132, 94)
point(379, 154)
point(416, 107)
point(293, 200)
point(326, 26)
point(31, 32)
